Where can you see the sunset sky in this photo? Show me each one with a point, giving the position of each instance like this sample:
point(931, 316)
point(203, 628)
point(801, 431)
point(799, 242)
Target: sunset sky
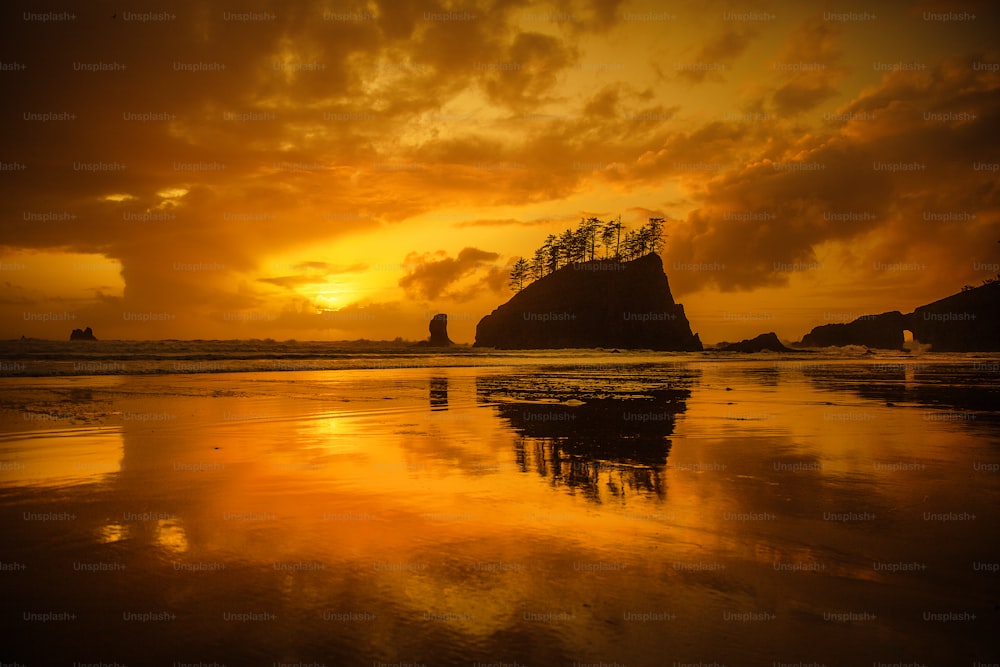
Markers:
point(342, 170)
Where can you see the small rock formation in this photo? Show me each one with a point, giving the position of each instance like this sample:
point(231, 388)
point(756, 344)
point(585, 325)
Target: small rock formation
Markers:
point(596, 304)
point(883, 331)
point(439, 331)
point(84, 334)
point(768, 341)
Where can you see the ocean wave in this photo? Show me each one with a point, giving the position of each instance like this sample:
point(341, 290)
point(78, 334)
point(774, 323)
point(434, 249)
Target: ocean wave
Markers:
point(42, 358)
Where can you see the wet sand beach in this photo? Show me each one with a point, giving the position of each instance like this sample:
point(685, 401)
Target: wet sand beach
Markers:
point(654, 511)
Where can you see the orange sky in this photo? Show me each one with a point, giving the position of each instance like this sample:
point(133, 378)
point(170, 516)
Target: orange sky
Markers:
point(337, 170)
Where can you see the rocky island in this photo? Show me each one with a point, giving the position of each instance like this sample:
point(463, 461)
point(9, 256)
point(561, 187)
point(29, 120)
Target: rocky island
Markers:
point(82, 334)
point(883, 331)
point(439, 332)
point(767, 342)
point(965, 322)
point(621, 301)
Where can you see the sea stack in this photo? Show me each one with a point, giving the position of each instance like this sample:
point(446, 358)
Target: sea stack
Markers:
point(82, 334)
point(439, 331)
point(767, 342)
point(600, 303)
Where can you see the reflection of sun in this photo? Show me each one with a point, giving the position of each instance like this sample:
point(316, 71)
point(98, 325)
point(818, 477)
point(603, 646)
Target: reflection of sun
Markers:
point(113, 532)
point(170, 535)
point(119, 197)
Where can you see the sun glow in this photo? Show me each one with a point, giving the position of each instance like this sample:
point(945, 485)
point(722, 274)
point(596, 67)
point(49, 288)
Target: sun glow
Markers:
point(327, 302)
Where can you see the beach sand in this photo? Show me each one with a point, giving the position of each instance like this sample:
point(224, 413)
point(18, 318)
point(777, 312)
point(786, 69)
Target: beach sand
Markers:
point(747, 512)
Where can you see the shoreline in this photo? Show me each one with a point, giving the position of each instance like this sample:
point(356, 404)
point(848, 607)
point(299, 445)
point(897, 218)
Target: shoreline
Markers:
point(109, 362)
point(504, 502)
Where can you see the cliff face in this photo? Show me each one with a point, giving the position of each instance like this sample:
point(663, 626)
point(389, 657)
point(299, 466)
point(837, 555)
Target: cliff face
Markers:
point(592, 304)
point(965, 322)
point(883, 331)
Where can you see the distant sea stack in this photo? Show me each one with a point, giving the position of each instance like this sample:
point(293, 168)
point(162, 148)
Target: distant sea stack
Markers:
point(82, 334)
point(600, 303)
point(439, 331)
point(883, 331)
point(767, 342)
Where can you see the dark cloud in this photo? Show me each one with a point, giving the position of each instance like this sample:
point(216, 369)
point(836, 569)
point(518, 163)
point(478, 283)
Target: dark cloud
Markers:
point(504, 222)
point(878, 178)
point(527, 71)
point(716, 56)
point(312, 273)
point(808, 66)
point(433, 274)
point(290, 282)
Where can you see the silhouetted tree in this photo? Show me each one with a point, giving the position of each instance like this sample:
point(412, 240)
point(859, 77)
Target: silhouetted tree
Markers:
point(552, 251)
point(538, 264)
point(643, 241)
point(567, 246)
point(590, 228)
point(630, 245)
point(518, 273)
point(618, 237)
point(608, 232)
point(655, 226)
point(580, 245)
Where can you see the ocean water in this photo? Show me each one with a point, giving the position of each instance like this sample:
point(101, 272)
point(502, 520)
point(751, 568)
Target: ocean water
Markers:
point(289, 503)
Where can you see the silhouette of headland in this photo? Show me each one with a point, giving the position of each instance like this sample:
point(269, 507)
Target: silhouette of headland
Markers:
point(883, 331)
point(594, 304)
point(968, 321)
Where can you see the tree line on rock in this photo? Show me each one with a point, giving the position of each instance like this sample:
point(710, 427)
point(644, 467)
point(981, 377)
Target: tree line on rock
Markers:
point(583, 243)
point(987, 281)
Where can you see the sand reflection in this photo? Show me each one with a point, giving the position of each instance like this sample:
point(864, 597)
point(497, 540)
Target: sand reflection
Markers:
point(544, 515)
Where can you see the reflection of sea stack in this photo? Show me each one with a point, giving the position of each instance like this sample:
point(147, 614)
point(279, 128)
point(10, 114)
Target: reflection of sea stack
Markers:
point(439, 393)
point(85, 334)
point(439, 331)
